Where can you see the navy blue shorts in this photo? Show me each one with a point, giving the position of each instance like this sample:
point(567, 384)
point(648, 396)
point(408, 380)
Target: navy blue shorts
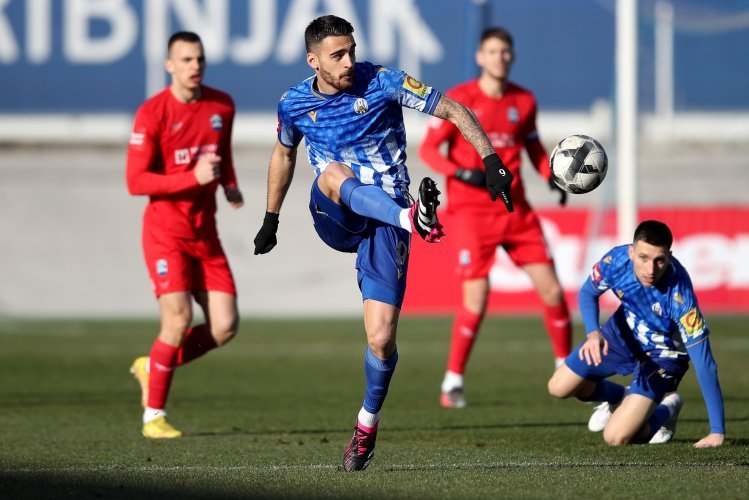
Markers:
point(382, 250)
point(648, 378)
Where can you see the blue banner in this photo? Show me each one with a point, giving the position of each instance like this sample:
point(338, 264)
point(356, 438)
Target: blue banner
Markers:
point(84, 56)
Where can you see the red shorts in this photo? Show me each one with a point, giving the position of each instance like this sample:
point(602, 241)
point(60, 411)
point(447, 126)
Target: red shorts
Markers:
point(178, 265)
point(475, 236)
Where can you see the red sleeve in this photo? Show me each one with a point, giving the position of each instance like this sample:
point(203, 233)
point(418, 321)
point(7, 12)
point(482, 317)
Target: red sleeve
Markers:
point(228, 175)
point(143, 156)
point(534, 147)
point(438, 132)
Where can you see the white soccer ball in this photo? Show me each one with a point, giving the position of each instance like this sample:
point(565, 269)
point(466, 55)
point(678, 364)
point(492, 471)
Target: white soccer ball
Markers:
point(578, 164)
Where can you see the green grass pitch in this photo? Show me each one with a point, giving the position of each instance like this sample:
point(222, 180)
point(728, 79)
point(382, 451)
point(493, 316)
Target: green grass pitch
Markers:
point(269, 416)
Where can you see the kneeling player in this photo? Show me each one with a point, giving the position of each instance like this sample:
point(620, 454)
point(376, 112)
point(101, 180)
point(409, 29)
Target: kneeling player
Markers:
point(652, 336)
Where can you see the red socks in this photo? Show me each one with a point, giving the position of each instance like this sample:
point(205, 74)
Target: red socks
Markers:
point(163, 361)
point(559, 329)
point(198, 341)
point(464, 334)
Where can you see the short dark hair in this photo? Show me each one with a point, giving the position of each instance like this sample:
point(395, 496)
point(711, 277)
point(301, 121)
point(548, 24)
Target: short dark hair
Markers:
point(183, 36)
point(497, 32)
point(655, 233)
point(323, 27)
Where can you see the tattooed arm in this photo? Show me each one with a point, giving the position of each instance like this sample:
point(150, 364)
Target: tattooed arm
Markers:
point(498, 177)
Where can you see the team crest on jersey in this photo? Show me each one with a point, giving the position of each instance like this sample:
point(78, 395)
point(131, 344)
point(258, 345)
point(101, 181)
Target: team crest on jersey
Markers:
point(513, 115)
point(216, 122)
point(464, 257)
point(677, 298)
point(656, 308)
point(161, 267)
point(415, 86)
point(692, 322)
point(361, 106)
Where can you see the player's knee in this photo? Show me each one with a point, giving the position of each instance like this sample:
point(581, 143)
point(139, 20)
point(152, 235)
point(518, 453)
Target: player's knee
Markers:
point(224, 329)
point(558, 388)
point(552, 295)
point(613, 437)
point(382, 344)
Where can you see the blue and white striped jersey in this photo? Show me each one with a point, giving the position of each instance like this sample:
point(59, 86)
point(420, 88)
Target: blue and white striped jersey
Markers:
point(361, 127)
point(665, 318)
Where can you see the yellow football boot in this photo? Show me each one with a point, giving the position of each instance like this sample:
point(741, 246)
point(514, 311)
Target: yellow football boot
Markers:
point(140, 373)
point(160, 428)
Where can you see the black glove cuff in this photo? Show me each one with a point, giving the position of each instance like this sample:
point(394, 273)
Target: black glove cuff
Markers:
point(270, 218)
point(492, 163)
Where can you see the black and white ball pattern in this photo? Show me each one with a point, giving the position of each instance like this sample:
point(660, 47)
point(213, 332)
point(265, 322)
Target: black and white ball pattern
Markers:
point(578, 164)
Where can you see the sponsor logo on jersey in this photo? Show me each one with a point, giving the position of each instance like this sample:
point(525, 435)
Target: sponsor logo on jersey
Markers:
point(677, 298)
point(656, 308)
point(607, 259)
point(619, 293)
point(513, 115)
point(313, 115)
point(692, 322)
point(176, 126)
point(595, 274)
point(182, 156)
point(415, 86)
point(361, 106)
point(216, 122)
point(136, 139)
point(161, 267)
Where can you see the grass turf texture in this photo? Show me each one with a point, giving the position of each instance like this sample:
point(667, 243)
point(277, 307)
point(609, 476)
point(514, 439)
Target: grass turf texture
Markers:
point(270, 414)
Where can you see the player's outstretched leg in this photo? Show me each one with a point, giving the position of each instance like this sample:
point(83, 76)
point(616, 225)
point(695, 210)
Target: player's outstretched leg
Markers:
point(673, 403)
point(423, 213)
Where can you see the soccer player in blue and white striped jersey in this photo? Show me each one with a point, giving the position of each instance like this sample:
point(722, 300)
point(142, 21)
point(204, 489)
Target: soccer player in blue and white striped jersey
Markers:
point(350, 115)
point(653, 335)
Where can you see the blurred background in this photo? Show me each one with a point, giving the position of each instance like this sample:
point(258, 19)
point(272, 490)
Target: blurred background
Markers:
point(73, 72)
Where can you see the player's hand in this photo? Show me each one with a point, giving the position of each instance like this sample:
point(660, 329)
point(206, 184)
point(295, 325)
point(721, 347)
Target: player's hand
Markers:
point(266, 237)
point(594, 348)
point(498, 180)
point(710, 441)
point(208, 169)
point(234, 196)
point(562, 193)
point(473, 176)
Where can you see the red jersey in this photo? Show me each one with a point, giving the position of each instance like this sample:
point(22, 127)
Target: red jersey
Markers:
point(167, 139)
point(510, 123)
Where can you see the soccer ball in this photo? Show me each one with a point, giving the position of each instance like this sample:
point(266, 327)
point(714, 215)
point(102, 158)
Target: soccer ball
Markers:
point(578, 164)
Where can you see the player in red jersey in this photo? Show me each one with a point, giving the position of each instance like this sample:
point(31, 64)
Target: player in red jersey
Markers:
point(179, 153)
point(508, 114)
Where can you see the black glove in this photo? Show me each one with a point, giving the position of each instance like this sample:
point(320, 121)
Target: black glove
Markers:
point(472, 176)
point(562, 193)
point(266, 237)
point(498, 180)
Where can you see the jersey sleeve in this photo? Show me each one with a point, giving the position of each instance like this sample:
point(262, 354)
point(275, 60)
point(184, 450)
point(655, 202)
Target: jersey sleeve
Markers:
point(438, 132)
point(408, 91)
point(143, 156)
point(688, 317)
point(533, 145)
point(288, 135)
point(707, 375)
point(593, 287)
point(228, 174)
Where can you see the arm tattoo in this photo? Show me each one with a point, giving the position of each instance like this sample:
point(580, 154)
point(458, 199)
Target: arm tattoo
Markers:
point(467, 123)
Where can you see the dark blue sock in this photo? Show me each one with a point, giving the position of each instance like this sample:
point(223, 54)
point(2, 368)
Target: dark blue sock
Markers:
point(378, 373)
point(658, 418)
point(370, 201)
point(607, 391)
